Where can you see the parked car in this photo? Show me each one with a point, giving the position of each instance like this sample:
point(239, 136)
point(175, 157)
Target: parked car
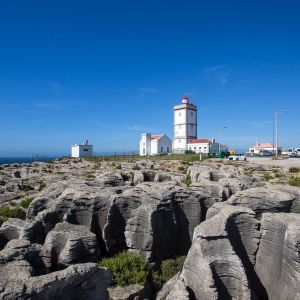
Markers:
point(237, 157)
point(265, 153)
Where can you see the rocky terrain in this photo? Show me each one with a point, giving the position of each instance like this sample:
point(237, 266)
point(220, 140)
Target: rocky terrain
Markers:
point(240, 232)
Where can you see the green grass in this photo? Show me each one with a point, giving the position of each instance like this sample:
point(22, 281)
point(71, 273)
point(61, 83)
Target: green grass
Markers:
point(294, 181)
point(182, 157)
point(26, 201)
point(294, 170)
point(126, 268)
point(6, 213)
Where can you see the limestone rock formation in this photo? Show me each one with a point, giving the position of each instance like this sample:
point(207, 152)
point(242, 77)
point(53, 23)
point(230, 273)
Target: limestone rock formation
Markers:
point(263, 199)
point(220, 263)
point(80, 281)
point(69, 244)
point(278, 256)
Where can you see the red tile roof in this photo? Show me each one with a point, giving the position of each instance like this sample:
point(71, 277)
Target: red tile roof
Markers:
point(200, 141)
point(263, 145)
point(156, 137)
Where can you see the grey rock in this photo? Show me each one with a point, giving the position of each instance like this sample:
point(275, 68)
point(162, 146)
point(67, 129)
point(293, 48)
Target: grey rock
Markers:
point(81, 281)
point(262, 199)
point(220, 263)
point(278, 259)
point(68, 244)
point(130, 292)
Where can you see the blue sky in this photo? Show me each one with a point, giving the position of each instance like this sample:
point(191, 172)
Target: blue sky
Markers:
point(110, 70)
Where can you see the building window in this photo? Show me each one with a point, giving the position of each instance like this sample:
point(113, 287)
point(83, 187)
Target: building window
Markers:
point(192, 126)
point(199, 148)
point(85, 149)
point(191, 113)
point(144, 151)
point(190, 148)
point(195, 148)
point(161, 149)
point(168, 149)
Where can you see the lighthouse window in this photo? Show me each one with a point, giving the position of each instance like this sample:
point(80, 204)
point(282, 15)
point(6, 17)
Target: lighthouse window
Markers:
point(85, 149)
point(192, 126)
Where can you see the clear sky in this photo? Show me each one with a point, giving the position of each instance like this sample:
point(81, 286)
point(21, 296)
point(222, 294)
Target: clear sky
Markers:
point(110, 70)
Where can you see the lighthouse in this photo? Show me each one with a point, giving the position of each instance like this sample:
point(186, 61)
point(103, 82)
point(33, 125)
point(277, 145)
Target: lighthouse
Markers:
point(185, 124)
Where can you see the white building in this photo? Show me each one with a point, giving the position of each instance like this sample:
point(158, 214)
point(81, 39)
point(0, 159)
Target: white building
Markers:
point(83, 150)
point(206, 146)
point(263, 147)
point(154, 144)
point(185, 125)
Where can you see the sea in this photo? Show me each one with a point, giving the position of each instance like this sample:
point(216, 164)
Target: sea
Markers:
point(21, 160)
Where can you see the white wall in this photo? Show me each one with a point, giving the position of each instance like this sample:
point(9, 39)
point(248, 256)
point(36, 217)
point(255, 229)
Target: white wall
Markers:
point(145, 144)
point(82, 150)
point(199, 147)
point(185, 125)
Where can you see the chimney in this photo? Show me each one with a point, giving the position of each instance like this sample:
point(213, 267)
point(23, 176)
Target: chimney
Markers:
point(213, 140)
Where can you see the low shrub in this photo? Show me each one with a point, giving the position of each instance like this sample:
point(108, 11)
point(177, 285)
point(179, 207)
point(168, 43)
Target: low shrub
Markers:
point(26, 201)
point(182, 169)
point(6, 213)
point(294, 181)
point(90, 176)
point(42, 186)
point(168, 269)
point(136, 167)
point(187, 180)
point(126, 268)
point(268, 177)
point(278, 175)
point(118, 167)
point(294, 170)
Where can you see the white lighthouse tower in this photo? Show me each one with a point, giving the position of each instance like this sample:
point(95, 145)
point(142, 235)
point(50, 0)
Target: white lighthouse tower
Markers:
point(185, 124)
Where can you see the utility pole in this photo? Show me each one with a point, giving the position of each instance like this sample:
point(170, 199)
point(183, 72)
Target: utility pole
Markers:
point(276, 128)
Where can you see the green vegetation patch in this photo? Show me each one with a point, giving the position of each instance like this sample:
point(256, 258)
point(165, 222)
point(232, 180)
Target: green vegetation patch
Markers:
point(90, 176)
point(42, 186)
point(136, 167)
point(126, 268)
point(6, 213)
point(168, 269)
point(268, 177)
point(187, 180)
point(118, 167)
point(294, 170)
point(26, 201)
point(294, 181)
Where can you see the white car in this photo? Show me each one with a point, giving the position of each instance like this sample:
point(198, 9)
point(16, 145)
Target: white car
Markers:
point(237, 157)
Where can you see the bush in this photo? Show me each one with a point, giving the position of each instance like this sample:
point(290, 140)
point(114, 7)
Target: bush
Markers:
point(267, 177)
point(294, 181)
point(90, 176)
point(136, 167)
point(126, 268)
point(182, 169)
point(6, 213)
point(168, 269)
point(187, 180)
point(294, 170)
point(42, 186)
point(26, 201)
point(119, 167)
